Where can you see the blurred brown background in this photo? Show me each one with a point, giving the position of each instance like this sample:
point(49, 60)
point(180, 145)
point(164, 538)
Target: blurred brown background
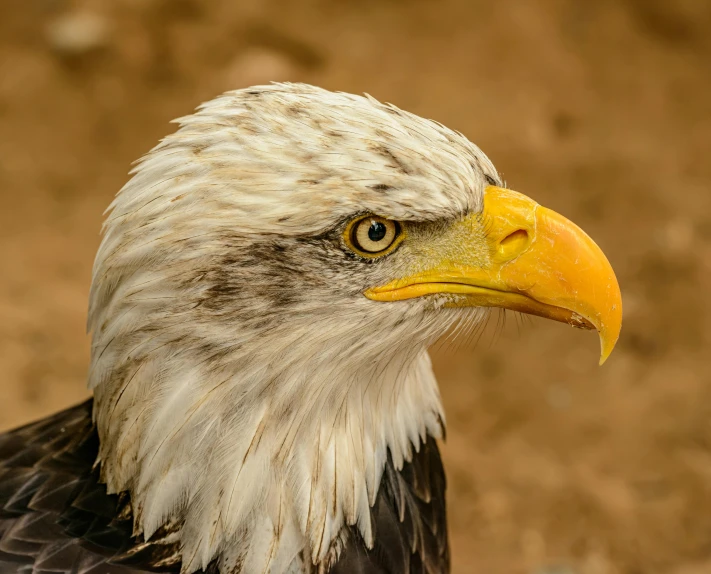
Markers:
point(598, 109)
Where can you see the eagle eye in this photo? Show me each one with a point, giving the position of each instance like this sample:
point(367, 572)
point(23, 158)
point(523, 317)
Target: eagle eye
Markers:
point(372, 235)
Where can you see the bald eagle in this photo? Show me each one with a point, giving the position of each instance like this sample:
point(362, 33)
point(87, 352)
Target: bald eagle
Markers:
point(267, 286)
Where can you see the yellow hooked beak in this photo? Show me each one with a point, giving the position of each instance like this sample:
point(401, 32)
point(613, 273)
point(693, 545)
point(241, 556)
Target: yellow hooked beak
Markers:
point(532, 260)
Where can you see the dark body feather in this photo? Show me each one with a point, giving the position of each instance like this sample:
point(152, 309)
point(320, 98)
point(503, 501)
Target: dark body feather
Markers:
point(55, 516)
point(409, 519)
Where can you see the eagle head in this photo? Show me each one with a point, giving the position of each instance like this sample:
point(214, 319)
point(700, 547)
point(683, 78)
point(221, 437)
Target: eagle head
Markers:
point(267, 285)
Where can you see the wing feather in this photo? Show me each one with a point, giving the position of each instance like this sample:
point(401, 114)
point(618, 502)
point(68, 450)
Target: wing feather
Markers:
point(55, 516)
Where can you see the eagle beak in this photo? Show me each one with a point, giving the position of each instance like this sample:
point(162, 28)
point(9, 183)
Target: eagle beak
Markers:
point(532, 260)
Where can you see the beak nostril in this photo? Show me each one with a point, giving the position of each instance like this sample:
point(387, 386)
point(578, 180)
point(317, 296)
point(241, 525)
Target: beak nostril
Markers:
point(513, 244)
point(518, 237)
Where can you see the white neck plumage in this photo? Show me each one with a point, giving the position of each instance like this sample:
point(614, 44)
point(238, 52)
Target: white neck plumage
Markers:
point(260, 454)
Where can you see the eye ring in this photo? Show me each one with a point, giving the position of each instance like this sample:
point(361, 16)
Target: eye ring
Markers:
point(373, 236)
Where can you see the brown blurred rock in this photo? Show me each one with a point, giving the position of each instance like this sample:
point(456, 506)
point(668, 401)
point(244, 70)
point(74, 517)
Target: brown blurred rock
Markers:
point(77, 33)
point(678, 235)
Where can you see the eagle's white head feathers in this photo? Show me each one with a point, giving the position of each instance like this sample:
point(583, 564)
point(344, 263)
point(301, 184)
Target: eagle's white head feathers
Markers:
point(246, 391)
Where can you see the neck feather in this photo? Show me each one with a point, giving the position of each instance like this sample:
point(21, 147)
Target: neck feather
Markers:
point(258, 460)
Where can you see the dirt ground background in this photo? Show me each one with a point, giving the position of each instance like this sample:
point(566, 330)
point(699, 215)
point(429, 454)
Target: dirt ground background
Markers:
point(598, 109)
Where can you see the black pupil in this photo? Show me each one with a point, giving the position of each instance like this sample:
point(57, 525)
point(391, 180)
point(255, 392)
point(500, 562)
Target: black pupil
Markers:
point(377, 231)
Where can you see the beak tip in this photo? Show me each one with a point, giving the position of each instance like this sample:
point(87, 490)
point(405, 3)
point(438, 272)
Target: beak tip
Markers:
point(605, 352)
point(608, 340)
point(609, 321)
